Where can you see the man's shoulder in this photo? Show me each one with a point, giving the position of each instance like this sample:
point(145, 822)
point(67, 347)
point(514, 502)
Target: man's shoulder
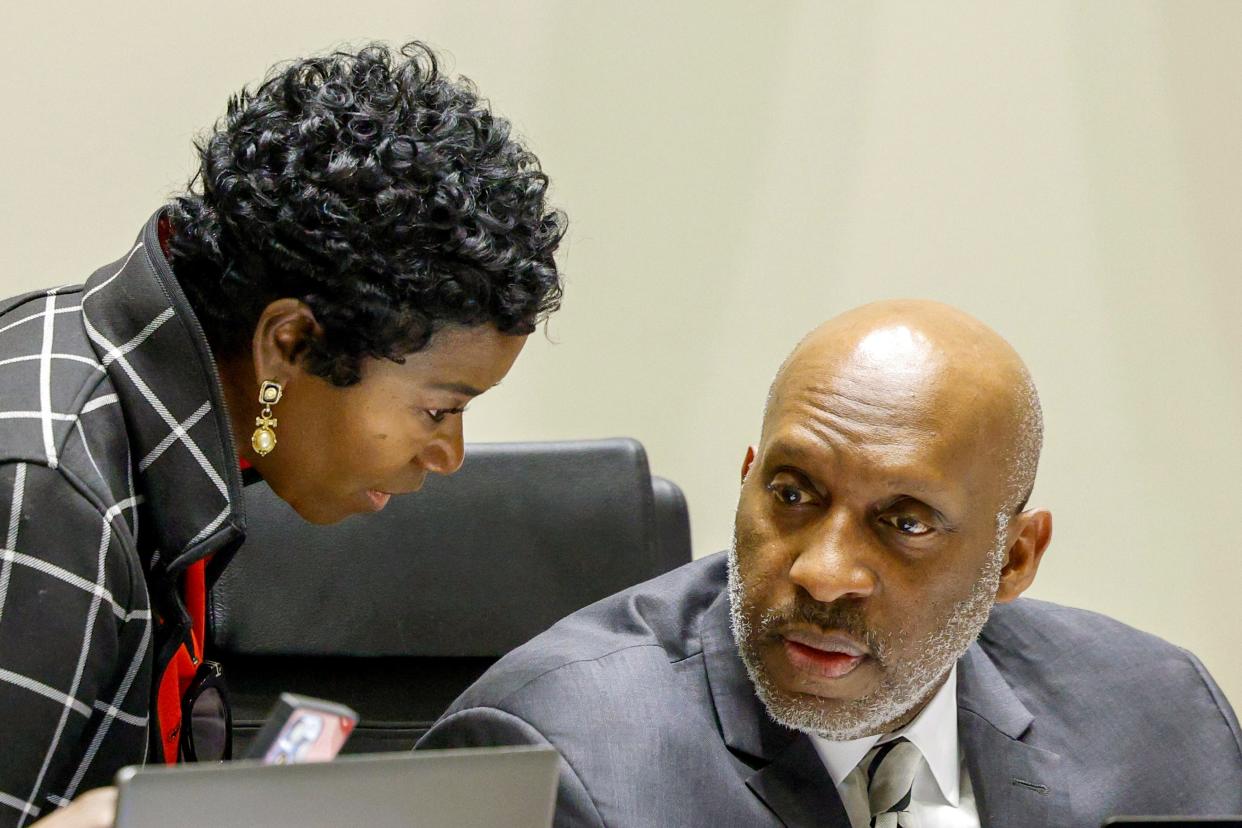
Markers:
point(1052, 654)
point(627, 638)
point(1138, 721)
point(622, 690)
point(1037, 626)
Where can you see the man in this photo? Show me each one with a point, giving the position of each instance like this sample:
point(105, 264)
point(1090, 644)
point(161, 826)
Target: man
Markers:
point(844, 664)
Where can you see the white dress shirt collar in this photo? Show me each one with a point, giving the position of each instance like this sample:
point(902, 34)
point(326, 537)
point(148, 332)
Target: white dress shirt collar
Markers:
point(933, 731)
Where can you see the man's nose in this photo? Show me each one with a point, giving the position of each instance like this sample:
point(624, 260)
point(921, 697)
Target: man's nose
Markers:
point(832, 565)
point(447, 449)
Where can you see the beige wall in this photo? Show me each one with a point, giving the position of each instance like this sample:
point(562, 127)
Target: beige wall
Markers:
point(736, 172)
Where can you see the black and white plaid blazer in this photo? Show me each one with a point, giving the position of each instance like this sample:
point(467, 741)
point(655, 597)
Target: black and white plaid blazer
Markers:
point(117, 470)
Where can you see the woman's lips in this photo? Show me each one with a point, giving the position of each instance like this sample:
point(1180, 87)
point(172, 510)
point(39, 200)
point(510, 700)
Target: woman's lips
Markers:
point(824, 656)
point(378, 499)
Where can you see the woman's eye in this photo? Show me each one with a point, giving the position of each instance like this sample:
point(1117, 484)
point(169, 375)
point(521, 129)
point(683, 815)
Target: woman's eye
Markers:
point(437, 415)
point(907, 525)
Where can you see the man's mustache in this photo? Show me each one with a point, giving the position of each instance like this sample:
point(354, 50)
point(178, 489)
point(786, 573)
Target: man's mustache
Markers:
point(840, 617)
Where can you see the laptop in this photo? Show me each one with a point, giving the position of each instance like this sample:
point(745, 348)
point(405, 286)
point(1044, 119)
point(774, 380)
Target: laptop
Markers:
point(514, 787)
point(1174, 822)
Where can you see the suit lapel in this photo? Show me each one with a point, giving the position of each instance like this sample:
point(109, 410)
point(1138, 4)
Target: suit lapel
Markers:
point(798, 789)
point(791, 779)
point(1016, 784)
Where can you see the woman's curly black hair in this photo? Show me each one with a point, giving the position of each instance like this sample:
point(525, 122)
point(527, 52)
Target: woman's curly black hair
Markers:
point(378, 191)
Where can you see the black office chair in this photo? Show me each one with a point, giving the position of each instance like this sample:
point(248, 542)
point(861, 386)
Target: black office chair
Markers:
point(395, 614)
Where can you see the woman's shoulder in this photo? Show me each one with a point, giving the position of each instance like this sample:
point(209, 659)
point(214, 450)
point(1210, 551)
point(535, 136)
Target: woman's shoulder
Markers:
point(58, 407)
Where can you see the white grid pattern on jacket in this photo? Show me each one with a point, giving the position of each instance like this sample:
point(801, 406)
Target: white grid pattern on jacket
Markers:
point(76, 709)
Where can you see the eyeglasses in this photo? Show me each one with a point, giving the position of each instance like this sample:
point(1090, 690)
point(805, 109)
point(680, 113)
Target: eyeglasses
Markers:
point(206, 717)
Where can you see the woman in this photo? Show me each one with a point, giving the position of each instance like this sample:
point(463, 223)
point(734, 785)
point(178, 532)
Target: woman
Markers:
point(364, 249)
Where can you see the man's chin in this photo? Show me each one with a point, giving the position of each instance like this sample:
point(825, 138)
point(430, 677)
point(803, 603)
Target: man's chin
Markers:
point(837, 707)
point(862, 703)
point(832, 719)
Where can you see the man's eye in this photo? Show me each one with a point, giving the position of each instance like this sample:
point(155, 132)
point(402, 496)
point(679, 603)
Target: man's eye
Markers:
point(907, 525)
point(788, 495)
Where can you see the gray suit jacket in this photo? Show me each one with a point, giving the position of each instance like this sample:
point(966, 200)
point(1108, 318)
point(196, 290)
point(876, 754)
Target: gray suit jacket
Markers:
point(1065, 717)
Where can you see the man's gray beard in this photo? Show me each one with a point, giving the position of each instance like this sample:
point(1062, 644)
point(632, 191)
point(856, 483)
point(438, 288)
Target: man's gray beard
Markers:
point(902, 687)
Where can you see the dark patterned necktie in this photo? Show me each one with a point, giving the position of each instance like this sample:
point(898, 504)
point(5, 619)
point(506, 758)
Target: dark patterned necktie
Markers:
point(890, 770)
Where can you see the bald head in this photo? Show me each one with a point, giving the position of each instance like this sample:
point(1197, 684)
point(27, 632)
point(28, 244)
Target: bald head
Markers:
point(922, 366)
point(883, 506)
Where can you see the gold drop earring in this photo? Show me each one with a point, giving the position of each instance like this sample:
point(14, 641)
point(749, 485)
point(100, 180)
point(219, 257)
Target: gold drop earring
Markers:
point(264, 438)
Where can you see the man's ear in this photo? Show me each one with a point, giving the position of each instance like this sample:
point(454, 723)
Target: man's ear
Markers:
point(281, 336)
point(1031, 533)
point(750, 458)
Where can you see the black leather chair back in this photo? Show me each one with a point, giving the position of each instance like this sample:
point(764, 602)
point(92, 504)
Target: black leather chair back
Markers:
point(394, 614)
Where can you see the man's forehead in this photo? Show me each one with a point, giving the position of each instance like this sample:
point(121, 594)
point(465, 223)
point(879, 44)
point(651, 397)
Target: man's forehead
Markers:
point(921, 423)
point(866, 387)
point(898, 373)
point(915, 467)
point(894, 346)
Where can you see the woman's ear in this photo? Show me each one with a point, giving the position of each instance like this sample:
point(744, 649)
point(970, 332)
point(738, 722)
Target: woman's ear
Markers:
point(1031, 533)
point(281, 336)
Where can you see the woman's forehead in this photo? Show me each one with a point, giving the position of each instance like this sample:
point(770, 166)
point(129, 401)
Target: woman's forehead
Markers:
point(465, 361)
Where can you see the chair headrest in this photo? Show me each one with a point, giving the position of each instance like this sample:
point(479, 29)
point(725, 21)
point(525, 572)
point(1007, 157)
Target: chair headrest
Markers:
point(473, 565)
